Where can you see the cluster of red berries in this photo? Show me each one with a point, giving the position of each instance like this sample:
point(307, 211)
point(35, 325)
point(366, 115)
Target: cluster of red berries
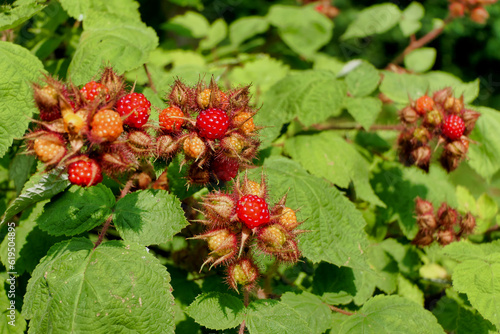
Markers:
point(473, 8)
point(441, 116)
point(446, 226)
point(89, 130)
point(325, 7)
point(242, 221)
point(215, 129)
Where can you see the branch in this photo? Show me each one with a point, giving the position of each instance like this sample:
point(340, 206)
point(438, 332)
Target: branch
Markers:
point(418, 43)
point(339, 310)
point(103, 231)
point(150, 80)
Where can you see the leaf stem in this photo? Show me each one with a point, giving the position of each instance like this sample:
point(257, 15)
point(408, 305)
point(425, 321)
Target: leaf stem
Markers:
point(418, 43)
point(103, 231)
point(375, 127)
point(150, 79)
point(242, 328)
point(339, 310)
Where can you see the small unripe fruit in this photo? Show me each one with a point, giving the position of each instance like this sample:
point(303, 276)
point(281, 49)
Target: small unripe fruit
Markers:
point(468, 223)
point(424, 104)
point(288, 219)
point(273, 236)
point(479, 15)
point(243, 272)
point(107, 125)
point(222, 242)
point(244, 122)
point(447, 216)
point(194, 147)
point(456, 9)
point(433, 118)
point(171, 119)
point(423, 207)
point(49, 149)
point(252, 188)
point(445, 237)
point(408, 115)
point(73, 123)
point(218, 207)
point(139, 142)
point(166, 146)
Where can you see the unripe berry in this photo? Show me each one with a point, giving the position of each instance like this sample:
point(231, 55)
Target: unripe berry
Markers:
point(73, 123)
point(93, 89)
point(243, 272)
point(203, 98)
point(421, 135)
point(222, 242)
point(244, 122)
point(442, 95)
point(423, 207)
point(218, 207)
point(445, 237)
point(433, 118)
point(225, 169)
point(421, 157)
point(180, 94)
point(140, 142)
point(166, 146)
point(107, 125)
point(233, 144)
point(479, 15)
point(456, 9)
point(49, 149)
point(447, 216)
point(171, 119)
point(273, 236)
point(197, 175)
point(252, 188)
point(468, 223)
point(288, 219)
point(424, 104)
point(194, 147)
point(408, 115)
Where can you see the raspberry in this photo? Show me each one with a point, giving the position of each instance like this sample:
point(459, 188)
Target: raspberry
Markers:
point(85, 173)
point(225, 169)
point(171, 119)
point(424, 104)
point(288, 219)
point(251, 188)
point(49, 151)
point(273, 236)
point(212, 123)
point(92, 89)
point(244, 121)
point(194, 147)
point(107, 124)
point(252, 210)
point(479, 15)
point(453, 127)
point(136, 107)
point(203, 98)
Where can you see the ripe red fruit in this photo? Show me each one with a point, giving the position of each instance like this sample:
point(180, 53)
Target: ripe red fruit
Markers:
point(107, 125)
point(212, 123)
point(92, 89)
point(479, 15)
point(252, 210)
point(171, 119)
point(85, 173)
point(453, 127)
point(225, 169)
point(424, 104)
point(136, 107)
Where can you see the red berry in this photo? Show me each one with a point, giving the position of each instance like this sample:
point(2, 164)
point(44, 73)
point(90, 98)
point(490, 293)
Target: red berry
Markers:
point(479, 15)
point(85, 173)
point(171, 119)
point(252, 210)
point(212, 123)
point(136, 107)
point(92, 89)
point(225, 169)
point(424, 104)
point(453, 127)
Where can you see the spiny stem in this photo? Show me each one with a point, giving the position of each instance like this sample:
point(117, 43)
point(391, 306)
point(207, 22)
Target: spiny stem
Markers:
point(242, 328)
point(418, 43)
point(339, 310)
point(103, 231)
point(127, 187)
point(150, 79)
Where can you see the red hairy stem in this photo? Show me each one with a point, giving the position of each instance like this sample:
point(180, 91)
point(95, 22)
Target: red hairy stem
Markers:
point(103, 231)
point(339, 310)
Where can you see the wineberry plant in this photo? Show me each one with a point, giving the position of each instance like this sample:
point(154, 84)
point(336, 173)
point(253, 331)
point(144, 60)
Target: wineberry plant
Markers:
point(249, 167)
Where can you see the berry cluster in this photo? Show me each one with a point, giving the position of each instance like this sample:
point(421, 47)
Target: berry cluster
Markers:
point(242, 221)
point(441, 116)
point(99, 127)
point(445, 227)
point(215, 130)
point(474, 8)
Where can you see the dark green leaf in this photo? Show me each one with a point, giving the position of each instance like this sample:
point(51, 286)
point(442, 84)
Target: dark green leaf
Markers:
point(217, 310)
point(271, 316)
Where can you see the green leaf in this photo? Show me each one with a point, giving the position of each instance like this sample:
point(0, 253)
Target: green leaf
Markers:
point(365, 110)
point(311, 308)
point(410, 22)
point(335, 228)
point(246, 27)
point(19, 69)
point(420, 60)
point(149, 217)
point(271, 316)
point(466, 202)
point(334, 284)
point(11, 321)
point(327, 63)
point(487, 208)
point(18, 14)
point(303, 29)
point(312, 96)
point(20, 170)
point(478, 276)
point(110, 40)
point(391, 314)
point(362, 80)
point(216, 34)
point(410, 291)
point(400, 87)
point(77, 210)
point(376, 19)
point(217, 310)
point(195, 23)
point(457, 319)
point(439, 80)
point(39, 187)
point(330, 156)
point(82, 9)
point(116, 288)
point(484, 157)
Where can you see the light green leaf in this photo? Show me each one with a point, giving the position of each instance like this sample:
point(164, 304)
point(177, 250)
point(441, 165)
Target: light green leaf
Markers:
point(149, 217)
point(246, 27)
point(420, 60)
point(271, 316)
point(216, 34)
point(410, 291)
point(335, 228)
point(376, 19)
point(439, 80)
point(39, 187)
point(362, 80)
point(325, 62)
point(217, 310)
point(466, 202)
point(77, 210)
point(312, 96)
point(391, 315)
point(410, 22)
point(116, 288)
point(400, 87)
point(484, 157)
point(194, 22)
point(365, 110)
point(478, 276)
point(17, 323)
point(19, 13)
point(81, 9)
point(487, 208)
point(311, 308)
point(110, 40)
point(303, 29)
point(19, 69)
point(330, 156)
